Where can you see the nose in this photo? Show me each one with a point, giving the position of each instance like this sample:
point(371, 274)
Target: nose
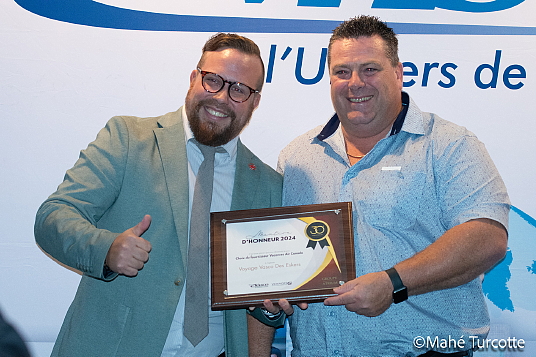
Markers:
point(223, 94)
point(356, 81)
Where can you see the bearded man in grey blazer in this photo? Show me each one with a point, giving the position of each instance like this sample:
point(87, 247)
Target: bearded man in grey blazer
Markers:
point(121, 215)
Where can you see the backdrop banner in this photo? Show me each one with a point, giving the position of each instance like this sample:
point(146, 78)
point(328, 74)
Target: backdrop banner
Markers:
point(67, 66)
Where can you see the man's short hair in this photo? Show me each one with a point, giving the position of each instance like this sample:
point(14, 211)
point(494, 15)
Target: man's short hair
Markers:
point(231, 40)
point(367, 26)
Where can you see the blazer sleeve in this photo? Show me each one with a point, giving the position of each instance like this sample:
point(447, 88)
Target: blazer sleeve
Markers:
point(66, 223)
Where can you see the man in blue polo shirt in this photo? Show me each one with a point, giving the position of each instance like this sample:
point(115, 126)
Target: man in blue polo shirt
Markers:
point(430, 211)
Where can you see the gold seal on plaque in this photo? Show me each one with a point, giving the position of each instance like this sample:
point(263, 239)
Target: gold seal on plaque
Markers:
point(317, 232)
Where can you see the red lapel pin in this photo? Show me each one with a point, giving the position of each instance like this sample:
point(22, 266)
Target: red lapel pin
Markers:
point(252, 167)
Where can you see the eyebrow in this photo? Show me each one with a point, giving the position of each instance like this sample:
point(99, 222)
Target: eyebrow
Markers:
point(348, 65)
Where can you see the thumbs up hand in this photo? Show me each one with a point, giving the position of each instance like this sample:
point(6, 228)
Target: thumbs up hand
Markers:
point(129, 252)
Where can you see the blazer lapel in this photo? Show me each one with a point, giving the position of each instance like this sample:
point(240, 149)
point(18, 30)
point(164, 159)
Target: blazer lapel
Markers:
point(172, 148)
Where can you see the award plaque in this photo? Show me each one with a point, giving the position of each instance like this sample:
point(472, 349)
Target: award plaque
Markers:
point(298, 253)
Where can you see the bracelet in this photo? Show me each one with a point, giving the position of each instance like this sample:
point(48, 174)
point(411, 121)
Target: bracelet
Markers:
point(267, 318)
point(271, 316)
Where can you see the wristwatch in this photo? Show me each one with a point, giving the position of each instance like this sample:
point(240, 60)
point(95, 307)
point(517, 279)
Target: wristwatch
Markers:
point(400, 292)
point(267, 318)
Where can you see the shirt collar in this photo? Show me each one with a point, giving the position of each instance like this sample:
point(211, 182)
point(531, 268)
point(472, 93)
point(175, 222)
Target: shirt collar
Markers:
point(230, 147)
point(333, 124)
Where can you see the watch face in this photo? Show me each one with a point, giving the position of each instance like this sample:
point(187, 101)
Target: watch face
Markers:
point(400, 295)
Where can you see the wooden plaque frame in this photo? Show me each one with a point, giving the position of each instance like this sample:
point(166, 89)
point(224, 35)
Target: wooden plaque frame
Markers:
point(338, 219)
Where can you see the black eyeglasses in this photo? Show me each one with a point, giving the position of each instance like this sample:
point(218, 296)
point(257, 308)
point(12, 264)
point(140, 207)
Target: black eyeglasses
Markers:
point(213, 83)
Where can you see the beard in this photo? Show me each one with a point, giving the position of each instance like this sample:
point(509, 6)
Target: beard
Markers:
point(210, 133)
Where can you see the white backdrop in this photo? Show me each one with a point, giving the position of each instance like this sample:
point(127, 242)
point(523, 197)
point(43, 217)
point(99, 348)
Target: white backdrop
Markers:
point(60, 82)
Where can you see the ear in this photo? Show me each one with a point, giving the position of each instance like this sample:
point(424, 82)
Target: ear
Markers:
point(399, 71)
point(193, 76)
point(256, 100)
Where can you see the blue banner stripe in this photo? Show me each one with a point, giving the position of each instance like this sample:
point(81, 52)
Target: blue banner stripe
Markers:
point(525, 216)
point(91, 13)
point(448, 29)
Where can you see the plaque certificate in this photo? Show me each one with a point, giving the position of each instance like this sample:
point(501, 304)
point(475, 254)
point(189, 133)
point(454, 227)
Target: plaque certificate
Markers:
point(299, 253)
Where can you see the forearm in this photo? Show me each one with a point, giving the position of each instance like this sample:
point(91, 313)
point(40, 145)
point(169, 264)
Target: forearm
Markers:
point(260, 337)
point(457, 257)
point(62, 232)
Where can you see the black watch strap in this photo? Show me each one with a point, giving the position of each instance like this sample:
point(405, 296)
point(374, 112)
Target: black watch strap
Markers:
point(400, 292)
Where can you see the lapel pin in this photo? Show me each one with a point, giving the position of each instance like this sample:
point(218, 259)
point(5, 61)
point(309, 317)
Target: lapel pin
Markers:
point(252, 166)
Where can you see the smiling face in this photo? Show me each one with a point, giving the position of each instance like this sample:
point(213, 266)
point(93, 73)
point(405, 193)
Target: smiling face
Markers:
point(365, 87)
point(214, 118)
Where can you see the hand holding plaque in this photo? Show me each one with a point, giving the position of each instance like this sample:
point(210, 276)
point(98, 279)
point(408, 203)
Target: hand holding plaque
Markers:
point(298, 253)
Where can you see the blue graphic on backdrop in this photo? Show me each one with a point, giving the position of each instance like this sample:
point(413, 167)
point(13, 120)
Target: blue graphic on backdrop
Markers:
point(319, 3)
point(91, 13)
point(455, 5)
point(511, 285)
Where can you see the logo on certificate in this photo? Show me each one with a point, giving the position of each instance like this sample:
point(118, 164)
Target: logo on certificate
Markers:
point(317, 231)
